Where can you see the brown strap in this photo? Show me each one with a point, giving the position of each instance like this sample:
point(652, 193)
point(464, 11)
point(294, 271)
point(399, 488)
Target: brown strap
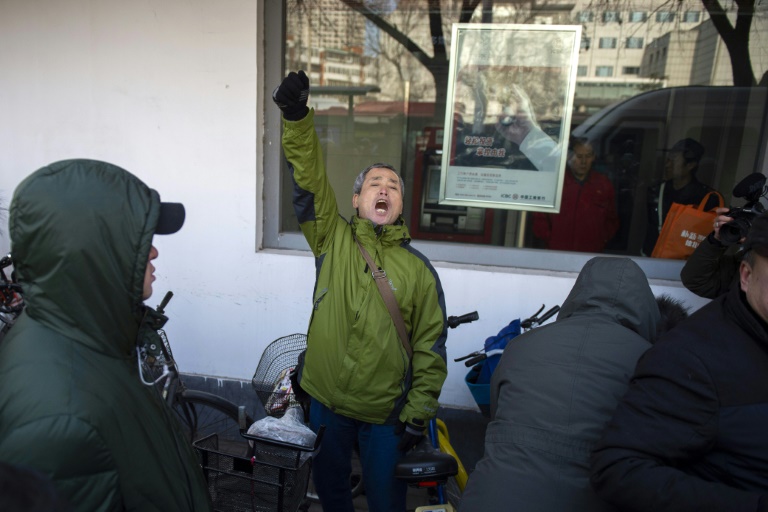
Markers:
point(380, 278)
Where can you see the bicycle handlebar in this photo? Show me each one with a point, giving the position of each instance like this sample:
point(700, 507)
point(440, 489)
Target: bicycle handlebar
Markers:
point(480, 355)
point(549, 314)
point(455, 321)
point(534, 320)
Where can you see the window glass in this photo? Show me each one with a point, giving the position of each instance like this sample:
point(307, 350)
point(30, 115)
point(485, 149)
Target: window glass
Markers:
point(691, 16)
point(604, 71)
point(380, 98)
point(610, 16)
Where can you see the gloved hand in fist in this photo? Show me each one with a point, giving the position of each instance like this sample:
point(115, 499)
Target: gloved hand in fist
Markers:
point(291, 96)
point(411, 434)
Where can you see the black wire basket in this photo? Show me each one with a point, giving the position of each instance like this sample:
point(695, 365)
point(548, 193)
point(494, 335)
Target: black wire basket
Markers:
point(271, 381)
point(263, 476)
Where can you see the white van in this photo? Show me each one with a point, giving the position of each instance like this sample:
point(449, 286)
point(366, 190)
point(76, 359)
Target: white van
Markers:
point(628, 138)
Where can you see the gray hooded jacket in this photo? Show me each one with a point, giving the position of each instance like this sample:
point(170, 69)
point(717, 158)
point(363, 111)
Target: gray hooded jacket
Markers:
point(556, 387)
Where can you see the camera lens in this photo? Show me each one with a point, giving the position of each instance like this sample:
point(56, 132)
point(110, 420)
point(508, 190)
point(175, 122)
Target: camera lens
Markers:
point(732, 232)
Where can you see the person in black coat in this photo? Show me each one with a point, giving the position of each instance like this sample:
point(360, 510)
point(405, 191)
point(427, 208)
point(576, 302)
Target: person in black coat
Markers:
point(690, 434)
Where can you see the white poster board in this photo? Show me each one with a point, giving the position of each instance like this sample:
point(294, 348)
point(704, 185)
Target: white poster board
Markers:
point(508, 113)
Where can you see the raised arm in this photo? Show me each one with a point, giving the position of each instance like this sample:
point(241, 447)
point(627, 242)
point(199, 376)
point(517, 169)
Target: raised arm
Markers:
point(313, 198)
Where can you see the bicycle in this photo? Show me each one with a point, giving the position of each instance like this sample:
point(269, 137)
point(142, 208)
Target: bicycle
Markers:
point(482, 363)
point(264, 474)
point(200, 413)
point(434, 464)
point(272, 385)
point(11, 299)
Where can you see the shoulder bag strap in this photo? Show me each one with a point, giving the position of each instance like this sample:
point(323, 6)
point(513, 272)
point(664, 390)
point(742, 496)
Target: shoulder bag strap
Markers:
point(380, 278)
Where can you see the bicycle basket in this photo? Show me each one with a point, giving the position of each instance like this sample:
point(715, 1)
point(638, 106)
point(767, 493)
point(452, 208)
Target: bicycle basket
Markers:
point(274, 478)
point(271, 379)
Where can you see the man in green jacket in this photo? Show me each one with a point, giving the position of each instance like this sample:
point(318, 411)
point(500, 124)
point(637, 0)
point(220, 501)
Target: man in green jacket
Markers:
point(363, 384)
point(72, 404)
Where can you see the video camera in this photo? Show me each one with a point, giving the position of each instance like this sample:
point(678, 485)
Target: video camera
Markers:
point(751, 189)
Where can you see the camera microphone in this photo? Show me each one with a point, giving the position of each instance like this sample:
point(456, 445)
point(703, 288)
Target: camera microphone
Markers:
point(751, 186)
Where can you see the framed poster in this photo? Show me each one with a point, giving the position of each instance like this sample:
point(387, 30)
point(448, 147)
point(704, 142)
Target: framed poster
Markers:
point(510, 95)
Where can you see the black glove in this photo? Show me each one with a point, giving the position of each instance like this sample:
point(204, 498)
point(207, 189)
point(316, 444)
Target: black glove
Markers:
point(291, 96)
point(411, 434)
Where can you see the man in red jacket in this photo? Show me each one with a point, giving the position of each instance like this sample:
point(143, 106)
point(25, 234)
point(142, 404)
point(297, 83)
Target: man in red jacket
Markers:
point(587, 218)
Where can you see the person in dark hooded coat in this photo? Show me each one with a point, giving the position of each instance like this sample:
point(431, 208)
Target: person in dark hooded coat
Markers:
point(72, 406)
point(556, 387)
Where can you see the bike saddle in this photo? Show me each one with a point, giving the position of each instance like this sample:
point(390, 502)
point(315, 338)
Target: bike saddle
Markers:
point(426, 463)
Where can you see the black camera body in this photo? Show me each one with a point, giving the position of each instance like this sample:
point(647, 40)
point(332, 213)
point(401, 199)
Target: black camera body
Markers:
point(751, 188)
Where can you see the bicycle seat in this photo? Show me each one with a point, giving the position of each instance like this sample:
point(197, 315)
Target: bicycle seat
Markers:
point(426, 463)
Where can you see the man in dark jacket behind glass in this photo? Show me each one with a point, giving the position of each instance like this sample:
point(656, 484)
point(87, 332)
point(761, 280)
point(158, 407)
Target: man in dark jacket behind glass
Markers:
point(72, 406)
point(690, 434)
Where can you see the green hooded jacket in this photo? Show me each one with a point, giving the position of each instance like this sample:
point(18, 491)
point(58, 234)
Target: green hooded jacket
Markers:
point(355, 363)
point(72, 405)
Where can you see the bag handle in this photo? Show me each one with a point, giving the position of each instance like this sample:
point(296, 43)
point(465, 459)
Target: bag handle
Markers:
point(380, 278)
point(704, 201)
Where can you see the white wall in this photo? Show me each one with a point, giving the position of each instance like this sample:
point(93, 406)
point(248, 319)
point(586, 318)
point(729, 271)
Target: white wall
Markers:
point(169, 89)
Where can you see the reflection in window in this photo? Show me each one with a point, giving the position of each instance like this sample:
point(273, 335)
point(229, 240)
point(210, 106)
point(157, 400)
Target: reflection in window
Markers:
point(604, 71)
point(610, 16)
point(691, 16)
point(376, 101)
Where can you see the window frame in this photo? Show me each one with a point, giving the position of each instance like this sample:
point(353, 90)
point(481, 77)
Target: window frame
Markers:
point(496, 258)
point(688, 14)
point(613, 40)
point(634, 38)
point(598, 68)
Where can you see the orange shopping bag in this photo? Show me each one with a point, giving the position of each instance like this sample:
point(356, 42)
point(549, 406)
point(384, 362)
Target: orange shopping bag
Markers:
point(685, 227)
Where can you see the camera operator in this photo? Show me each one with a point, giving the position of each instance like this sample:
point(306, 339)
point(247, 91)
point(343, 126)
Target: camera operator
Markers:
point(713, 267)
